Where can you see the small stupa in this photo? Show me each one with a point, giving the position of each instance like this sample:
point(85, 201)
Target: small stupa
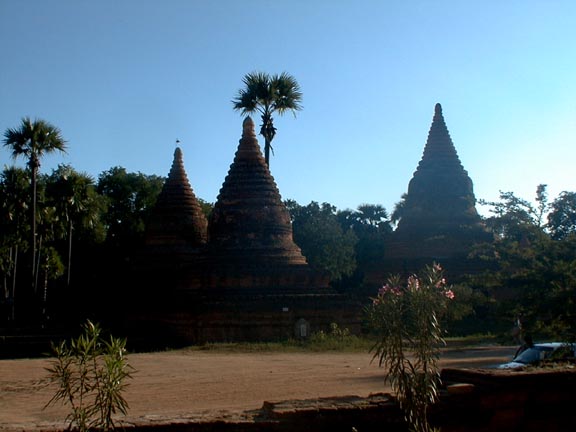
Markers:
point(438, 218)
point(177, 229)
point(177, 218)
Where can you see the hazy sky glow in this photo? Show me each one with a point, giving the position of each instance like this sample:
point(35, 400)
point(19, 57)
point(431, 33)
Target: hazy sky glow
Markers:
point(124, 79)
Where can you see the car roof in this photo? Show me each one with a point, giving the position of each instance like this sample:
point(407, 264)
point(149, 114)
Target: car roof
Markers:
point(552, 344)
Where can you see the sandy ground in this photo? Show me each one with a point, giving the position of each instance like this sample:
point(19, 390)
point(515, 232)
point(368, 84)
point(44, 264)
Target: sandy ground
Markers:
point(206, 384)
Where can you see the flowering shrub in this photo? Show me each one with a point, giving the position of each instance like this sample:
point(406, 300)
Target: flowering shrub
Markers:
point(405, 318)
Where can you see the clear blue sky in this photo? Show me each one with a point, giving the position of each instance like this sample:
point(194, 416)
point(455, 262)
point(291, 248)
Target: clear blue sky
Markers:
point(124, 79)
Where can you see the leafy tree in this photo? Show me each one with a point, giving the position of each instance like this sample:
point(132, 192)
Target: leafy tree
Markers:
point(206, 207)
point(14, 225)
point(33, 140)
point(516, 217)
point(562, 216)
point(77, 203)
point(371, 224)
point(130, 198)
point(531, 275)
point(324, 243)
point(268, 94)
point(399, 209)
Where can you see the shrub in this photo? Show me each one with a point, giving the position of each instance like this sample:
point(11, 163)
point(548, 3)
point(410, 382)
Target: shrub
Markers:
point(90, 374)
point(405, 317)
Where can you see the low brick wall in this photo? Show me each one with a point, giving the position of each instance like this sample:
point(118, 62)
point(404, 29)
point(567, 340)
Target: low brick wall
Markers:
point(542, 400)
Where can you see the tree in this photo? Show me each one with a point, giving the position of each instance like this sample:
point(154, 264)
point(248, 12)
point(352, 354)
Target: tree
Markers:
point(267, 95)
point(14, 190)
point(77, 203)
point(371, 224)
point(130, 198)
point(32, 140)
point(562, 216)
point(532, 271)
point(515, 217)
point(324, 243)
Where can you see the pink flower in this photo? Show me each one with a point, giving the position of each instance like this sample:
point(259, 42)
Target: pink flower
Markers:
point(449, 294)
point(387, 289)
point(441, 283)
point(414, 282)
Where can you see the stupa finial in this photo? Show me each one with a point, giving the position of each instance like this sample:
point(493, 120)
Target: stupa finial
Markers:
point(248, 128)
point(438, 109)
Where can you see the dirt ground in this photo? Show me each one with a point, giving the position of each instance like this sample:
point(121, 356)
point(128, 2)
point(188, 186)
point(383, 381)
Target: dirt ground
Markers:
point(195, 384)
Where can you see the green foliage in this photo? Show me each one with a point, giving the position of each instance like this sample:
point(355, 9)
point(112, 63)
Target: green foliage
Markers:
point(268, 94)
point(90, 374)
point(405, 317)
point(130, 198)
point(562, 216)
point(324, 243)
point(32, 141)
point(336, 339)
point(515, 217)
point(371, 225)
point(531, 273)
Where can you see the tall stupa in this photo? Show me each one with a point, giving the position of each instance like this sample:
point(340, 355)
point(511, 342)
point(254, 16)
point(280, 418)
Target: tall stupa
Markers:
point(438, 218)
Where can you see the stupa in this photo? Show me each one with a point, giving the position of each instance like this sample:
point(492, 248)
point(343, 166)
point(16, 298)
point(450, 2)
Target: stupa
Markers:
point(249, 281)
point(251, 232)
point(177, 229)
point(438, 218)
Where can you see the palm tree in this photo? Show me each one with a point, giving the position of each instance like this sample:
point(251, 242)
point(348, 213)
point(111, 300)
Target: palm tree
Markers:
point(268, 95)
point(76, 201)
point(14, 190)
point(32, 140)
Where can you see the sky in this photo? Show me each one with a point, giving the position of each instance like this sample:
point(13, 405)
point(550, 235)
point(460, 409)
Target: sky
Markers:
point(124, 79)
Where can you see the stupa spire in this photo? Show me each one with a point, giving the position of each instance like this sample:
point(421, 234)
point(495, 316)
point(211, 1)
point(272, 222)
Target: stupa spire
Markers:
point(249, 217)
point(439, 151)
point(438, 212)
point(248, 128)
point(177, 218)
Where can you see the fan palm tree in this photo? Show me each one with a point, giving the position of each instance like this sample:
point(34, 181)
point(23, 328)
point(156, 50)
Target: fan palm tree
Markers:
point(32, 140)
point(73, 195)
point(268, 94)
point(14, 190)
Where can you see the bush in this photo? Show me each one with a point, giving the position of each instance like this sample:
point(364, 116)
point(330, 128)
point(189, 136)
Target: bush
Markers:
point(406, 318)
point(90, 374)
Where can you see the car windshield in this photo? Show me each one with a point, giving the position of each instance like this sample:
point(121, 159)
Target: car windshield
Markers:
point(533, 355)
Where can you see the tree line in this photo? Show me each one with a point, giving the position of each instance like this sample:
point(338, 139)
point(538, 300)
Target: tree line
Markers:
point(65, 234)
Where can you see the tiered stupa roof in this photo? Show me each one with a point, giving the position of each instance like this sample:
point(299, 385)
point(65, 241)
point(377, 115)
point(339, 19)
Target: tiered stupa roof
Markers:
point(249, 221)
point(438, 216)
point(177, 219)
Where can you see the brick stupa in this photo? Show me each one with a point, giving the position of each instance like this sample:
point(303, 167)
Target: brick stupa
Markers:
point(251, 232)
point(439, 221)
point(249, 281)
point(177, 220)
point(176, 231)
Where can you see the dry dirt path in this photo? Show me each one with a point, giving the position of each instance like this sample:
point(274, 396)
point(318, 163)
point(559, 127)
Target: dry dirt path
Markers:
point(212, 384)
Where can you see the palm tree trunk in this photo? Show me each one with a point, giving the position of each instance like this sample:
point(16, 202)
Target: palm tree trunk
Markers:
point(267, 151)
point(45, 297)
point(37, 269)
point(33, 221)
point(69, 253)
point(13, 302)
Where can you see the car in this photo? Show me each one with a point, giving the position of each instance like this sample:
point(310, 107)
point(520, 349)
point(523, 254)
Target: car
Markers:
point(541, 351)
